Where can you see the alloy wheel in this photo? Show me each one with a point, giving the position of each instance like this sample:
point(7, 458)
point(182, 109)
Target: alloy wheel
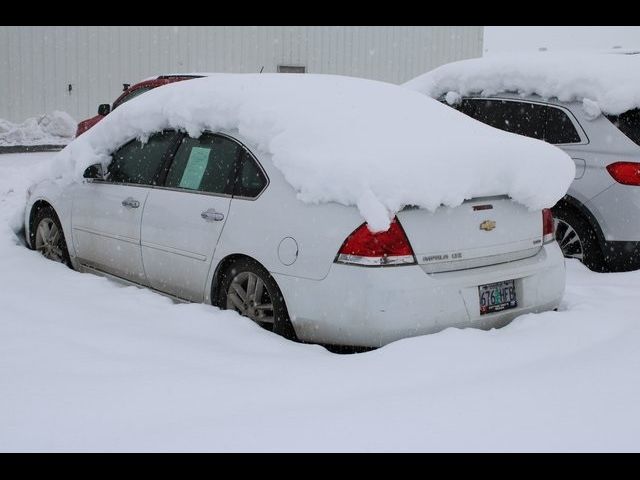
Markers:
point(48, 240)
point(570, 242)
point(248, 296)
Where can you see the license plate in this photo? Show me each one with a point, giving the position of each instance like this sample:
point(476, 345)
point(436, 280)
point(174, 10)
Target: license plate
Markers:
point(496, 297)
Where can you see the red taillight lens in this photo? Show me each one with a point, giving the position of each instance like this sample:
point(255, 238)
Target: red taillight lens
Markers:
point(627, 173)
point(363, 247)
point(548, 232)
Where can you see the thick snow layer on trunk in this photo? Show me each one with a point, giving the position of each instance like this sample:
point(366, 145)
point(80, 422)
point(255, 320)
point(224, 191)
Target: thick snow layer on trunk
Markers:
point(357, 142)
point(603, 82)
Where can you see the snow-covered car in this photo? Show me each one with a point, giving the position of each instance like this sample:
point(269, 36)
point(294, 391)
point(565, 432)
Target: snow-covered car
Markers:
point(329, 209)
point(129, 93)
point(587, 105)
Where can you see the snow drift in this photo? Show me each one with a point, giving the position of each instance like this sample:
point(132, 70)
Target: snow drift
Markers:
point(57, 128)
point(87, 364)
point(357, 142)
point(603, 82)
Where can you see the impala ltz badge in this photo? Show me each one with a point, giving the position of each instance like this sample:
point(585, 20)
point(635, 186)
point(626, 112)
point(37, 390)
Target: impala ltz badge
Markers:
point(487, 225)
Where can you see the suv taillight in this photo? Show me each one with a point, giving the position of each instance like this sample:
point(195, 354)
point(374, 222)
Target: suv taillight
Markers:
point(626, 173)
point(548, 232)
point(363, 247)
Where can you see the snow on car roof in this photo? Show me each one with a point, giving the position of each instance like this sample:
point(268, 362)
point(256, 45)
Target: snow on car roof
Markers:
point(365, 143)
point(603, 82)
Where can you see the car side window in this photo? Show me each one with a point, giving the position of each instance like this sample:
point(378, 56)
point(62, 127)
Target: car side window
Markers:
point(529, 119)
point(628, 123)
point(251, 180)
point(131, 96)
point(204, 164)
point(559, 128)
point(138, 162)
point(523, 118)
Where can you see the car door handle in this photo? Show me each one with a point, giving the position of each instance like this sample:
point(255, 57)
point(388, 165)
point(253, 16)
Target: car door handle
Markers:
point(130, 202)
point(211, 215)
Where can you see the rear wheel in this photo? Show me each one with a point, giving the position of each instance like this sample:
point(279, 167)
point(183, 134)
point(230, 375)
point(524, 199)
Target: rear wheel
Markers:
point(577, 239)
point(47, 236)
point(249, 289)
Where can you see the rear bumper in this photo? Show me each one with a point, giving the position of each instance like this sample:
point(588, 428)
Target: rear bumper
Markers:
point(371, 307)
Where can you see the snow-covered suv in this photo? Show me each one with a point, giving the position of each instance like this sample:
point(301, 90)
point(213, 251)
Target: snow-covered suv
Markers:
point(587, 105)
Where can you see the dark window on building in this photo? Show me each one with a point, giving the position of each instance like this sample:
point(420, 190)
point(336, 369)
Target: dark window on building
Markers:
point(523, 118)
point(251, 179)
point(628, 123)
point(291, 69)
point(204, 164)
point(137, 162)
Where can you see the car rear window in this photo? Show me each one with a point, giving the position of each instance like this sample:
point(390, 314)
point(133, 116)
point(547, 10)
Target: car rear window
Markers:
point(628, 123)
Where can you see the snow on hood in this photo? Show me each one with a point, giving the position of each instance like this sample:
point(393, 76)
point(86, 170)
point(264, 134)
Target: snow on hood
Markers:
point(603, 82)
point(357, 142)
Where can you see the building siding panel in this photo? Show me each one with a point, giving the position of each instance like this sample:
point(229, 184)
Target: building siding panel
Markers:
point(38, 63)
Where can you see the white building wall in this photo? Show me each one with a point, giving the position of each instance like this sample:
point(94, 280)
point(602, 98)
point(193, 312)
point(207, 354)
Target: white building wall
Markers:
point(37, 64)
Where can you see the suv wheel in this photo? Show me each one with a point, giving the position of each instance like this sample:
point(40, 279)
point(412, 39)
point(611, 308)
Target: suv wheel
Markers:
point(577, 239)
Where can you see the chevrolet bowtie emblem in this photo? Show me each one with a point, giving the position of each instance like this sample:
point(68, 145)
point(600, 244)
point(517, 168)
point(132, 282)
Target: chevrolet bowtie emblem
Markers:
point(487, 225)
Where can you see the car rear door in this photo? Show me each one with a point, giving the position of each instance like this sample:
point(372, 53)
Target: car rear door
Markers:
point(107, 213)
point(184, 217)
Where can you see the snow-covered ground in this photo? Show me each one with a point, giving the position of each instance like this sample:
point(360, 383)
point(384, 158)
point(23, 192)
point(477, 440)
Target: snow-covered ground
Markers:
point(56, 128)
point(89, 365)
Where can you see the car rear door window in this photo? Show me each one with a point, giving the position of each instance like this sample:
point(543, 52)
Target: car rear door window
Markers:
point(516, 117)
point(628, 123)
point(533, 120)
point(205, 164)
point(138, 162)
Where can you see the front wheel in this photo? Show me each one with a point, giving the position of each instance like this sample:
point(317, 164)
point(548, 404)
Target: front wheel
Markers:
point(47, 236)
point(249, 289)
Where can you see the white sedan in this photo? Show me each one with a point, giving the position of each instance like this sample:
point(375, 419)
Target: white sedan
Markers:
point(210, 217)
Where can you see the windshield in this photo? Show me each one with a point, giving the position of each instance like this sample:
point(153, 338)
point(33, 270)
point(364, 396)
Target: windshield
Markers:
point(628, 123)
point(132, 95)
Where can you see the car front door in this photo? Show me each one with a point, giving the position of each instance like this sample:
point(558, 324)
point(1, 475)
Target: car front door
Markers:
point(107, 213)
point(183, 218)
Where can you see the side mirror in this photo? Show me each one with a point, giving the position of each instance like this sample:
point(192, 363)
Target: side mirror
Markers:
point(94, 171)
point(104, 109)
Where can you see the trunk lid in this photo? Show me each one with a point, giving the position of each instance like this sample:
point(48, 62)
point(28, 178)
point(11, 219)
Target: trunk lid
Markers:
point(480, 232)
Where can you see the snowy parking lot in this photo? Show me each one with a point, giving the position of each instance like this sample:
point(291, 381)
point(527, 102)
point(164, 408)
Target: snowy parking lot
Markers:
point(89, 365)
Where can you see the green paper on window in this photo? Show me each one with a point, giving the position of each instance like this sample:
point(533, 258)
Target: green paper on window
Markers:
point(196, 165)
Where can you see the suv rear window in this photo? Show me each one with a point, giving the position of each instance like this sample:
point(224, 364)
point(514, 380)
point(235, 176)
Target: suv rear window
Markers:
point(628, 123)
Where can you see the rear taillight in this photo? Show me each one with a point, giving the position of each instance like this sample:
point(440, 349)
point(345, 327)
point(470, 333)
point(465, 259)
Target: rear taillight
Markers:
point(627, 173)
point(363, 247)
point(548, 232)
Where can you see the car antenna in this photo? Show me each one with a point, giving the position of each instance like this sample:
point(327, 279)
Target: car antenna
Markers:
point(261, 69)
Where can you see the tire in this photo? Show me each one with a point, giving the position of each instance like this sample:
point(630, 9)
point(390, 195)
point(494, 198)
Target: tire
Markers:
point(236, 281)
point(578, 239)
point(47, 237)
